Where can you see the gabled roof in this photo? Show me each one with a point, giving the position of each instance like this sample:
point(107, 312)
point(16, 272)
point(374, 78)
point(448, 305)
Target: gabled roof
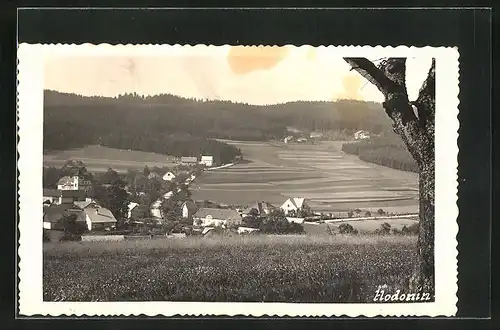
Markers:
point(261, 207)
point(99, 215)
point(83, 204)
point(53, 213)
point(131, 206)
point(297, 202)
point(207, 157)
point(65, 180)
point(217, 214)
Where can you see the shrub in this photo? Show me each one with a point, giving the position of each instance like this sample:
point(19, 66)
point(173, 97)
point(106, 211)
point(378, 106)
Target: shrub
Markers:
point(380, 212)
point(368, 214)
point(385, 228)
point(346, 228)
point(46, 237)
point(411, 230)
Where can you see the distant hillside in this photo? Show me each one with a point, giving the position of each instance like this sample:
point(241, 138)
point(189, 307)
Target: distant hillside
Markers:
point(167, 123)
point(222, 119)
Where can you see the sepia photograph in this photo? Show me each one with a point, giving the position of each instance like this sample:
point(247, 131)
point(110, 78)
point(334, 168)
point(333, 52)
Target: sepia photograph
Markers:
point(244, 174)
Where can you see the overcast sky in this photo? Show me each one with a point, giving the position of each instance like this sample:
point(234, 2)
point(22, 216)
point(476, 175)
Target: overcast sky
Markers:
point(256, 75)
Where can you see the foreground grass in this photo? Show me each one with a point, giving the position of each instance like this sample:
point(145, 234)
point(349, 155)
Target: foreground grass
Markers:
point(253, 268)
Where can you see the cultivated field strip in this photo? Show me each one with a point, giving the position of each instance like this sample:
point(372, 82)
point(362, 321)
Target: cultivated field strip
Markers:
point(331, 180)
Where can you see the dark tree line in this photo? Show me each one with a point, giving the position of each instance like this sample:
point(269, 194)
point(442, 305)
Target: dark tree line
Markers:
point(167, 114)
point(388, 151)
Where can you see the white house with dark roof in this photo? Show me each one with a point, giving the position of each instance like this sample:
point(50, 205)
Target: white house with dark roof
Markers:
point(216, 217)
point(293, 204)
point(73, 183)
point(98, 217)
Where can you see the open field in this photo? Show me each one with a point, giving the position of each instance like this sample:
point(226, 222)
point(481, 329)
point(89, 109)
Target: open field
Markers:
point(253, 268)
point(322, 173)
point(99, 158)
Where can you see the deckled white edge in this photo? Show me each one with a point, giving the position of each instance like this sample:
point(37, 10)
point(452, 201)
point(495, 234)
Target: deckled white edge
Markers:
point(30, 123)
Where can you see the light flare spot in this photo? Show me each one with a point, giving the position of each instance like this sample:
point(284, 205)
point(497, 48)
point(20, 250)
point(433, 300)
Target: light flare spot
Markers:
point(246, 59)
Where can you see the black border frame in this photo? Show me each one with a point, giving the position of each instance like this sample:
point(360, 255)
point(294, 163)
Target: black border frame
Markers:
point(468, 29)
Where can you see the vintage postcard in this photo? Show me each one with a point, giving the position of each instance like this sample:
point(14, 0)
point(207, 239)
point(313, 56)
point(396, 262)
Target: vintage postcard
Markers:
point(237, 180)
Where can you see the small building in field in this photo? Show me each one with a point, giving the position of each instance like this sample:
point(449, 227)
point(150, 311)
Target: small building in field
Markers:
point(362, 135)
point(73, 183)
point(99, 218)
point(288, 139)
point(216, 217)
point(169, 176)
point(53, 214)
point(301, 140)
point(293, 204)
point(189, 161)
point(208, 161)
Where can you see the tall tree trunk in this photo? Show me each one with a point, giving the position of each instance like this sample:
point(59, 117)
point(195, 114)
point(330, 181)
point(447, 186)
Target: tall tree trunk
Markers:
point(414, 122)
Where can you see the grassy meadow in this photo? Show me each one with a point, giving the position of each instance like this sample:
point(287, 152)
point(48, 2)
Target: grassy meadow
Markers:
point(237, 269)
point(99, 158)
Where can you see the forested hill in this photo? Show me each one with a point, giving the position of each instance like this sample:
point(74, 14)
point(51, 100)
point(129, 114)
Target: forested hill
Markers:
point(147, 123)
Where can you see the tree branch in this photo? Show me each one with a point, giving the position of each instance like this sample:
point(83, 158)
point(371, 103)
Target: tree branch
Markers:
point(369, 71)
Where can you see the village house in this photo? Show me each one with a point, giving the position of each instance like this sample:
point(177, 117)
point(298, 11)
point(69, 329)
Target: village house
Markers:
point(131, 206)
point(53, 214)
point(188, 209)
point(288, 139)
point(216, 217)
point(73, 183)
point(189, 161)
point(155, 209)
point(262, 208)
point(53, 196)
point(208, 161)
point(361, 135)
point(169, 176)
point(99, 218)
point(293, 204)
